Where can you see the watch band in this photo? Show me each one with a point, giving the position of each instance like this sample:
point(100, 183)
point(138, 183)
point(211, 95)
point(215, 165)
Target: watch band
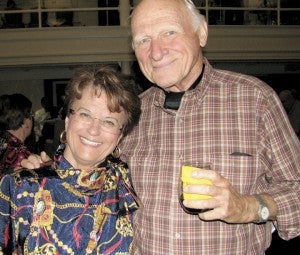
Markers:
point(263, 210)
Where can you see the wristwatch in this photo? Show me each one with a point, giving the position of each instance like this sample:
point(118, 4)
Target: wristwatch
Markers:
point(263, 210)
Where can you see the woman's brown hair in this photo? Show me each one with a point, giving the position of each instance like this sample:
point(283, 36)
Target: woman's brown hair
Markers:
point(121, 91)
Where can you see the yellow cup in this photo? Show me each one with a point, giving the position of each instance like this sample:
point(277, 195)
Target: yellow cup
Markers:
point(187, 179)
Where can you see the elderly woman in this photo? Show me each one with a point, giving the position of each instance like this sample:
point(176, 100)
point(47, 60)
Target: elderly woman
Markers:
point(15, 126)
point(83, 202)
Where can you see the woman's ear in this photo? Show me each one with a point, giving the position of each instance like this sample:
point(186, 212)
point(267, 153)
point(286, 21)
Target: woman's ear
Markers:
point(120, 137)
point(66, 122)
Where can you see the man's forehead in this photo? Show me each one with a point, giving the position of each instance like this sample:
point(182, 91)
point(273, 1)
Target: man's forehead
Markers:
point(157, 17)
point(148, 6)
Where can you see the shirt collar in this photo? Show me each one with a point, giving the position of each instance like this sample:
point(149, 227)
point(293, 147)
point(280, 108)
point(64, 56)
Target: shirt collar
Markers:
point(173, 99)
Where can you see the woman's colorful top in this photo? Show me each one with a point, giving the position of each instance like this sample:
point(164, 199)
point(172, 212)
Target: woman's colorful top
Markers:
point(62, 210)
point(12, 152)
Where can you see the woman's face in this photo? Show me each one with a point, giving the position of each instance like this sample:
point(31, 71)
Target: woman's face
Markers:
point(28, 126)
point(89, 144)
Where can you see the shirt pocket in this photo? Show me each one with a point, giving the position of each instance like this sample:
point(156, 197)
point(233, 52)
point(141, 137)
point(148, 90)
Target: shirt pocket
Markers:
point(240, 169)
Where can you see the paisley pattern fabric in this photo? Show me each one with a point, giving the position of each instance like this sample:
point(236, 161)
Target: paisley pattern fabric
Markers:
point(12, 152)
point(61, 210)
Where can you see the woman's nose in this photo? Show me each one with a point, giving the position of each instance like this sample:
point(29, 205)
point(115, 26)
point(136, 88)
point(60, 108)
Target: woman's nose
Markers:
point(94, 127)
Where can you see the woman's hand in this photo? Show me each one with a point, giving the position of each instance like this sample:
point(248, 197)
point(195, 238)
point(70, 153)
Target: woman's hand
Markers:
point(35, 161)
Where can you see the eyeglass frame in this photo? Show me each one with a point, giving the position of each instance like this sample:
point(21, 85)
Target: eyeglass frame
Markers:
point(100, 121)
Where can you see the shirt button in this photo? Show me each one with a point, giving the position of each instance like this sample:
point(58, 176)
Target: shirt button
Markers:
point(180, 156)
point(156, 103)
point(177, 235)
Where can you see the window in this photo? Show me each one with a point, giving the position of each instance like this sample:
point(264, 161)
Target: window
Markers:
point(58, 13)
point(250, 12)
point(61, 13)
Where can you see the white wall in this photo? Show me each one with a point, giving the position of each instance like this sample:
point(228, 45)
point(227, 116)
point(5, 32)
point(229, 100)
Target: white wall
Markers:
point(33, 89)
point(30, 80)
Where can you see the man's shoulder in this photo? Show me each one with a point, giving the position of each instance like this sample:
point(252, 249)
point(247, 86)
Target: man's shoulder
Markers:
point(241, 81)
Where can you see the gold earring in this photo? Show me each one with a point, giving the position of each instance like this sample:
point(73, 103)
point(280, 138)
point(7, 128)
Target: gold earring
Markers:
point(117, 152)
point(63, 137)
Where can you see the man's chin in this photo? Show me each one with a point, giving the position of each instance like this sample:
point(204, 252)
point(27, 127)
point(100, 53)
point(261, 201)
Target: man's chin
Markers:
point(164, 81)
point(167, 86)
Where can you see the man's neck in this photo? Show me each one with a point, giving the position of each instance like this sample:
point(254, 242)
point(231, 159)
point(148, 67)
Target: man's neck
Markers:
point(173, 99)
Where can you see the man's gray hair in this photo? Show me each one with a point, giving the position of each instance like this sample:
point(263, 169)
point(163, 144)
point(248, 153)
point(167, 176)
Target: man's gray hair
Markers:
point(197, 17)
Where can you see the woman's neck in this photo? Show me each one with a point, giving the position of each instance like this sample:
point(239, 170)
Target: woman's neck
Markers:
point(18, 133)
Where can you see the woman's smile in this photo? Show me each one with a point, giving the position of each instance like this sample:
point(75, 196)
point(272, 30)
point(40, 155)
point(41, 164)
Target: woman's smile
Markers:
point(89, 142)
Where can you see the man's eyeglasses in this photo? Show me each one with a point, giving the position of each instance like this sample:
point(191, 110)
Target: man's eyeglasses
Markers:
point(109, 125)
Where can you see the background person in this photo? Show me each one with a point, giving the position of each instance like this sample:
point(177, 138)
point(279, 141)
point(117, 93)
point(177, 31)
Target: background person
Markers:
point(83, 203)
point(40, 117)
point(16, 120)
point(195, 114)
point(292, 106)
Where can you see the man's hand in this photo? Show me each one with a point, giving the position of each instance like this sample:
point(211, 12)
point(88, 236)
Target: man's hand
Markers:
point(227, 204)
point(35, 161)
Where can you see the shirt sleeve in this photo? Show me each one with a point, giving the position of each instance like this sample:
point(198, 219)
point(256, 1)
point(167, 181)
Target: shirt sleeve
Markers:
point(13, 156)
point(280, 151)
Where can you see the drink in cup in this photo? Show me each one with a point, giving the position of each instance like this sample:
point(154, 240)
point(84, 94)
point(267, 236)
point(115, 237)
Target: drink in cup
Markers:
point(187, 179)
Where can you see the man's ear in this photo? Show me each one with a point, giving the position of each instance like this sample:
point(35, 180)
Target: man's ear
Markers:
point(203, 33)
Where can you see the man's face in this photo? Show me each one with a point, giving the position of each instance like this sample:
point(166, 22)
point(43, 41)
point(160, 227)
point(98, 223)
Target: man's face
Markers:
point(166, 46)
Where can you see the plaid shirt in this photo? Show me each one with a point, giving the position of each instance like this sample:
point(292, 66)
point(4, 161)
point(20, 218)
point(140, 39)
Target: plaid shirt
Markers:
point(237, 123)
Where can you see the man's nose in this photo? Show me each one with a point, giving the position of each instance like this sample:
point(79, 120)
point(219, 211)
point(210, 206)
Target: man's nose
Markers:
point(158, 49)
